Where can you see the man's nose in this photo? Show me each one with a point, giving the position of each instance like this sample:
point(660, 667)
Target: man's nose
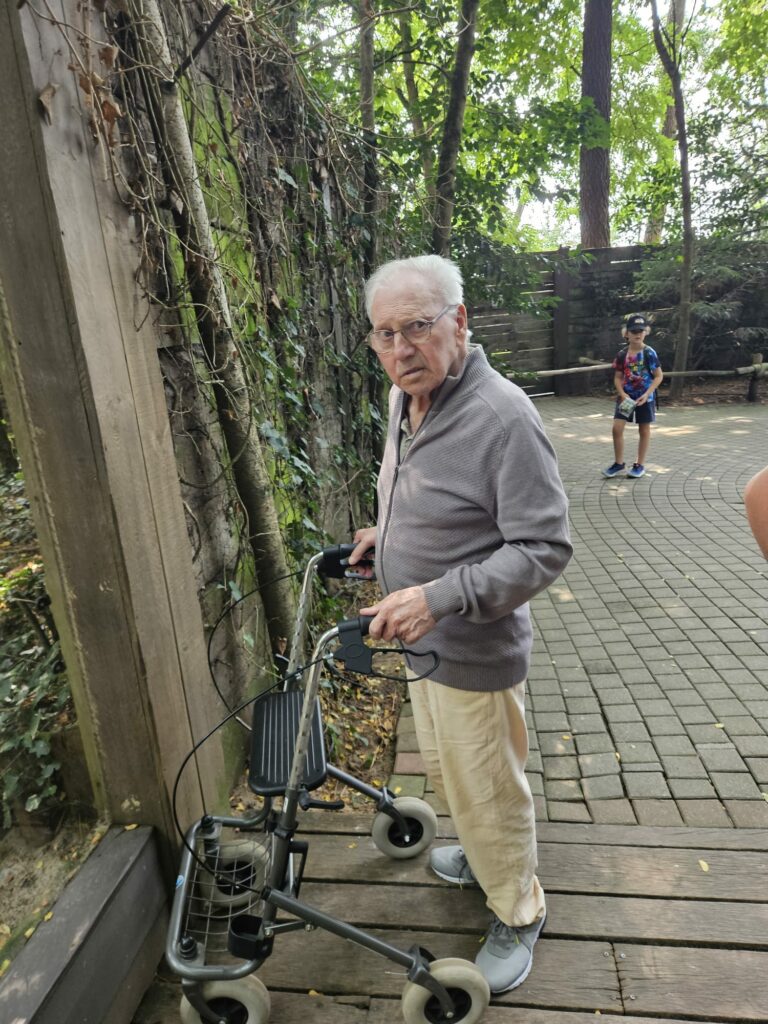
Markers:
point(401, 342)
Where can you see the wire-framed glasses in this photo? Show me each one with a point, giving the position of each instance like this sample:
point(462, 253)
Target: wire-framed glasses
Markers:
point(417, 332)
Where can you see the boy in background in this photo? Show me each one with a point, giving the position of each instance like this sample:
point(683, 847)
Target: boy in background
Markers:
point(637, 375)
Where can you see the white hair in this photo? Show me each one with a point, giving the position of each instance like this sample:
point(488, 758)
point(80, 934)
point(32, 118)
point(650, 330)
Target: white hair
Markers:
point(441, 276)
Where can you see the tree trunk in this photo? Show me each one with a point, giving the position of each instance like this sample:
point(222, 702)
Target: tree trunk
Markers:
point(452, 129)
point(655, 225)
point(669, 53)
point(206, 286)
point(370, 170)
point(412, 103)
point(594, 161)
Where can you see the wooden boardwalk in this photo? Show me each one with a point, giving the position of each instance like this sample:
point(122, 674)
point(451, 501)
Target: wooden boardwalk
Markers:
point(664, 923)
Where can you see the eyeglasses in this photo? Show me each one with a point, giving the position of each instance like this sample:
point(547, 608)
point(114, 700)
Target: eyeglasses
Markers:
point(417, 332)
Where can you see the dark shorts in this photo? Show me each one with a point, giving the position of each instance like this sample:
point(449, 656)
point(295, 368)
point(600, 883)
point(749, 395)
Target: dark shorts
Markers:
point(640, 414)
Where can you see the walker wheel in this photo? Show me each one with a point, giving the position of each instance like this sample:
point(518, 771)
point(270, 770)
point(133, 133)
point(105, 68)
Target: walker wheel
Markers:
point(466, 986)
point(422, 829)
point(241, 868)
point(245, 1001)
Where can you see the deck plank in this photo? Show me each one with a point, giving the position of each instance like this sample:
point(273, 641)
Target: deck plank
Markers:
point(670, 836)
point(702, 983)
point(733, 875)
point(608, 918)
point(387, 1012)
point(581, 975)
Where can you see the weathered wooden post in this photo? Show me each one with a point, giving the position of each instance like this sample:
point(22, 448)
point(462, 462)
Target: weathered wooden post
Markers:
point(83, 385)
point(561, 321)
point(753, 391)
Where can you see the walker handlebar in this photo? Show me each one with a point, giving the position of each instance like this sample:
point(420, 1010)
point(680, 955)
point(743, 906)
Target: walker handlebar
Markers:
point(335, 562)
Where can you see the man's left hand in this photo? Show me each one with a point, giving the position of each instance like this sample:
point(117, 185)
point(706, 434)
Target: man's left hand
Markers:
point(403, 615)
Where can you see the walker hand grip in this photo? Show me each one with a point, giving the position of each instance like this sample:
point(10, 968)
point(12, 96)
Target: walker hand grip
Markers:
point(335, 561)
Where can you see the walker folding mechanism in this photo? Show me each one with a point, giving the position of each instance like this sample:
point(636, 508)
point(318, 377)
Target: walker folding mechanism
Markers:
point(236, 874)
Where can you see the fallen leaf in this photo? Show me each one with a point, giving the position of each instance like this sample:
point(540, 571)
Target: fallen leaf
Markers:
point(703, 865)
point(45, 99)
point(130, 828)
point(351, 846)
point(48, 916)
point(4, 967)
point(566, 736)
point(313, 992)
point(108, 55)
point(30, 932)
point(719, 725)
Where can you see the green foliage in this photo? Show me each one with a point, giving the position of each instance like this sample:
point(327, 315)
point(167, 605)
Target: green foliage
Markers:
point(729, 319)
point(34, 693)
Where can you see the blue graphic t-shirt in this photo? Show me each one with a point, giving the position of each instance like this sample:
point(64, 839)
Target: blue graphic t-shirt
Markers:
point(638, 369)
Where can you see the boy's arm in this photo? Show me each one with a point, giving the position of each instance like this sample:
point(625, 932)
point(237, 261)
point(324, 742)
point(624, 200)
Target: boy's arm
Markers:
point(658, 377)
point(618, 383)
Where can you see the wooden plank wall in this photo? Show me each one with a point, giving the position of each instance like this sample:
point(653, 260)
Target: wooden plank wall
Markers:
point(593, 295)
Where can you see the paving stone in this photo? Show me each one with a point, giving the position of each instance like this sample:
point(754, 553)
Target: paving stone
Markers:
point(759, 768)
point(534, 762)
point(691, 789)
point(721, 757)
point(600, 666)
point(577, 688)
point(582, 706)
point(742, 725)
point(407, 743)
point(683, 767)
point(409, 764)
point(593, 743)
point(642, 766)
point(615, 696)
point(603, 787)
point(537, 685)
point(586, 723)
point(598, 764)
point(748, 813)
point(646, 784)
point(630, 732)
point(622, 713)
point(751, 746)
point(667, 726)
point(558, 811)
point(561, 767)
point(646, 691)
point(654, 708)
point(735, 786)
point(724, 708)
point(696, 715)
point(636, 752)
point(657, 812)
point(679, 745)
point(407, 785)
point(550, 721)
point(548, 702)
point(710, 734)
point(685, 698)
point(551, 743)
point(563, 789)
point(613, 812)
point(704, 814)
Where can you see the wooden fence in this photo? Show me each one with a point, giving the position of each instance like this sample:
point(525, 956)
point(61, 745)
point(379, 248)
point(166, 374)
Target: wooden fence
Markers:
point(580, 301)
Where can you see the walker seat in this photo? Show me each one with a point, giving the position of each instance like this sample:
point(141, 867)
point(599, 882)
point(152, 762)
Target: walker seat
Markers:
point(273, 741)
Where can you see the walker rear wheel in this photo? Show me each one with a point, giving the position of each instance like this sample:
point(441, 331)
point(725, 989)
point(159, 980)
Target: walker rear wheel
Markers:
point(422, 829)
point(466, 986)
point(245, 1001)
point(240, 871)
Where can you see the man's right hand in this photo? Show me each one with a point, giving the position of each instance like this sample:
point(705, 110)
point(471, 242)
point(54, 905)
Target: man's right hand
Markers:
point(365, 544)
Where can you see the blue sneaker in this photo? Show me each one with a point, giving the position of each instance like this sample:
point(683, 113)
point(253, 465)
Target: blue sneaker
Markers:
point(636, 471)
point(614, 470)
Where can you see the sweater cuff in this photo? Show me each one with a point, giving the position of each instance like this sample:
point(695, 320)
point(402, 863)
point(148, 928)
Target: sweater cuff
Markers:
point(443, 597)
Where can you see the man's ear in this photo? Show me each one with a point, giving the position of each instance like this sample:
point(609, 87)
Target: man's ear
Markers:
point(462, 320)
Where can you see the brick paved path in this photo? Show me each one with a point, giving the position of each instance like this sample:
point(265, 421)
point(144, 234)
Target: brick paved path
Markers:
point(648, 693)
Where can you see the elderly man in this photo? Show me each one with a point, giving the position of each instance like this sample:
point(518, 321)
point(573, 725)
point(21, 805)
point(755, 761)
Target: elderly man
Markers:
point(472, 524)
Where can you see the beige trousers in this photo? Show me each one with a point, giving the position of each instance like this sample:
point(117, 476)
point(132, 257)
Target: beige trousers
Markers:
point(475, 747)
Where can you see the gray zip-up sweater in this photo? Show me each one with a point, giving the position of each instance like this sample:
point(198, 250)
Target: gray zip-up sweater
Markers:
point(475, 512)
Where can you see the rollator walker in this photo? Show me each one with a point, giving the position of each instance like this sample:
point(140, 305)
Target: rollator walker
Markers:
point(237, 873)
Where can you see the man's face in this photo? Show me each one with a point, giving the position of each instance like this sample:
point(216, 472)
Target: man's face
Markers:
point(419, 369)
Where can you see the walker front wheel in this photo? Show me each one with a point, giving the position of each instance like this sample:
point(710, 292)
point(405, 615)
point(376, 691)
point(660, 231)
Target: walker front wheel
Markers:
point(465, 985)
point(421, 822)
point(245, 1001)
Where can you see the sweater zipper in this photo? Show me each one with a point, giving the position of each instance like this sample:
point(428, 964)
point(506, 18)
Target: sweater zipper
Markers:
point(395, 476)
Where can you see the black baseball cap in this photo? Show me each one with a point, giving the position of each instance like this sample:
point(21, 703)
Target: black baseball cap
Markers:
point(636, 322)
